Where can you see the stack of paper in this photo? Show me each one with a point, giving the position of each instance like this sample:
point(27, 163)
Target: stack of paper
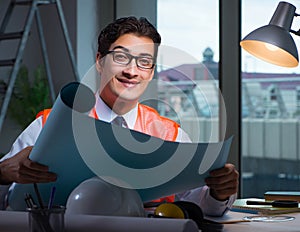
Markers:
point(282, 195)
point(240, 205)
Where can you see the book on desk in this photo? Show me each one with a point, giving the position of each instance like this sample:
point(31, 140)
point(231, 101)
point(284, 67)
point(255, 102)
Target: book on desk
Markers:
point(240, 205)
point(282, 195)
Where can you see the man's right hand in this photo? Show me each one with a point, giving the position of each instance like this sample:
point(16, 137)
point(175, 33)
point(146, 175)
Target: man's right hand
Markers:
point(21, 169)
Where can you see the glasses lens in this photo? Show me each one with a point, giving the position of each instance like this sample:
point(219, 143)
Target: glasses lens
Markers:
point(145, 62)
point(121, 58)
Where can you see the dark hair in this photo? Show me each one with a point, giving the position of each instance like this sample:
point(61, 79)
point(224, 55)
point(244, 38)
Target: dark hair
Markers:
point(126, 25)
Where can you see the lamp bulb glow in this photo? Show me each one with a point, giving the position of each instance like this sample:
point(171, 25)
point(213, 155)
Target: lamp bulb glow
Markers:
point(271, 47)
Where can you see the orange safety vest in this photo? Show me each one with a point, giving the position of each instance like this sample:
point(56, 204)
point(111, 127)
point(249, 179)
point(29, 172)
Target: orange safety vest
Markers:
point(148, 122)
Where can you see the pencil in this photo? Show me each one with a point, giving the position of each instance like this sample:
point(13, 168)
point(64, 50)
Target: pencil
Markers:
point(234, 221)
point(38, 195)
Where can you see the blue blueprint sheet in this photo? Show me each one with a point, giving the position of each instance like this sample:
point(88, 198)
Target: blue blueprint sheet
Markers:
point(77, 147)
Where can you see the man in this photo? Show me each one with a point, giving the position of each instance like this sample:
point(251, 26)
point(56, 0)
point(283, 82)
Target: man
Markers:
point(127, 51)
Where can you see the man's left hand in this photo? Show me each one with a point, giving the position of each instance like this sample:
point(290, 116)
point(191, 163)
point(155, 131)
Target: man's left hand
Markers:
point(223, 182)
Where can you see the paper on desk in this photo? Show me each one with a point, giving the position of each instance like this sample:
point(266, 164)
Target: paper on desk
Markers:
point(78, 147)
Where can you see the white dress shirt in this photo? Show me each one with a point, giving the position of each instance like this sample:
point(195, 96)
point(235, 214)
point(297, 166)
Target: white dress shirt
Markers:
point(200, 195)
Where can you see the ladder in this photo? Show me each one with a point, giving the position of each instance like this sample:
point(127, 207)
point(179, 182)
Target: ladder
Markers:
point(22, 36)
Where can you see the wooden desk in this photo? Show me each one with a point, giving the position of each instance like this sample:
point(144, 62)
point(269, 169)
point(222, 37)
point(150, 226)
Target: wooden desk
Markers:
point(288, 226)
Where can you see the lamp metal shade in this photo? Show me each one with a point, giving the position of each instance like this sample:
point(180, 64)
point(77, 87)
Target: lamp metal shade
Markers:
point(273, 43)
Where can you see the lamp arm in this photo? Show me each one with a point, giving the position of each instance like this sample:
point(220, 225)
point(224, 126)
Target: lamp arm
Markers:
point(295, 32)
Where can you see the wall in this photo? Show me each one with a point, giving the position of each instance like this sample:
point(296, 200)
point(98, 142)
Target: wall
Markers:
point(84, 21)
point(60, 65)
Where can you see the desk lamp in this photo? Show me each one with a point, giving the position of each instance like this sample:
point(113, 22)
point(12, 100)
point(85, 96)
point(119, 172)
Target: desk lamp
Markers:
point(273, 43)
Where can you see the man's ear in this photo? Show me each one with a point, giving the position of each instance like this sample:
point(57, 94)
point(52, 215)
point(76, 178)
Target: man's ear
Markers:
point(99, 62)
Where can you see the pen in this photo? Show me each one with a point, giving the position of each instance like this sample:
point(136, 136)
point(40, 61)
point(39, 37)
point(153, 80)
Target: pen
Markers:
point(234, 221)
point(280, 204)
point(50, 203)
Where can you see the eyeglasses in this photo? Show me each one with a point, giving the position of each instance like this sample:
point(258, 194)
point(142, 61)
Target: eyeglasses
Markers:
point(125, 58)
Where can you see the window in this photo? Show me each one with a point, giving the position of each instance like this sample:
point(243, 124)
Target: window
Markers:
point(271, 126)
point(188, 66)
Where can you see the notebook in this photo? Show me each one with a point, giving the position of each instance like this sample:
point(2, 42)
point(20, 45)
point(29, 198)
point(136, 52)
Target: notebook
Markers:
point(240, 205)
point(282, 195)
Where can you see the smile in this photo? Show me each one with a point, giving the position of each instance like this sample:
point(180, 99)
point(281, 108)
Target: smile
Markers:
point(127, 83)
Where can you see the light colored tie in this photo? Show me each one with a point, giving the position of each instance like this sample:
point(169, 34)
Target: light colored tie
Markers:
point(120, 121)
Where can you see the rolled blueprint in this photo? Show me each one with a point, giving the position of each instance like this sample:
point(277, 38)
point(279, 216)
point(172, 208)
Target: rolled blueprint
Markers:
point(77, 147)
point(18, 222)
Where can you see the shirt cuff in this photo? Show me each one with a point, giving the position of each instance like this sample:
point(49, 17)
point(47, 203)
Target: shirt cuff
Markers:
point(209, 205)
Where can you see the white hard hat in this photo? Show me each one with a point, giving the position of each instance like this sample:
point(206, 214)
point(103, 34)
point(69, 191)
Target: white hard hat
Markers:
point(97, 197)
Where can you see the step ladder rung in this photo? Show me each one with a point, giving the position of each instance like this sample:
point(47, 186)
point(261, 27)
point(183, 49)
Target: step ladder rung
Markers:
point(9, 62)
point(22, 2)
point(30, 2)
point(11, 35)
point(46, 2)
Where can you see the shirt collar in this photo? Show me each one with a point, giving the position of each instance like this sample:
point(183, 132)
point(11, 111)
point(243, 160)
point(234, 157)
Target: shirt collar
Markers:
point(105, 113)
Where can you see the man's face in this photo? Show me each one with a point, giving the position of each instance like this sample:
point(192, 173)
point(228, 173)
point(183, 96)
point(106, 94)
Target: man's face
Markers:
point(125, 82)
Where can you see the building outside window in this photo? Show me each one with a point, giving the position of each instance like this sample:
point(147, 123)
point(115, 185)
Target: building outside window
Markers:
point(188, 66)
point(188, 90)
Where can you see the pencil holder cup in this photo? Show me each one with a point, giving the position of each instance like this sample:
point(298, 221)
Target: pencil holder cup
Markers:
point(46, 220)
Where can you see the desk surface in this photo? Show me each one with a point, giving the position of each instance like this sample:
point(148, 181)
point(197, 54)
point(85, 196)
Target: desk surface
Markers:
point(287, 226)
point(18, 221)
